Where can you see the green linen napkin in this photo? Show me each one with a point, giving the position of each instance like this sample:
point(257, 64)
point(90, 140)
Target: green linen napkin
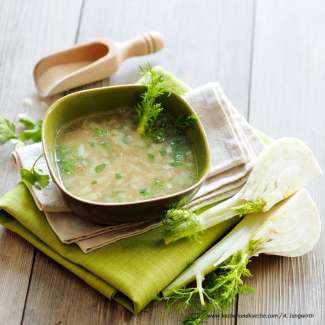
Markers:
point(132, 271)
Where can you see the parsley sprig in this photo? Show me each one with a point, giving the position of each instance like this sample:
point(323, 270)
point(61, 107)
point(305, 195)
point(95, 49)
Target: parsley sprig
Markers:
point(7, 130)
point(31, 130)
point(35, 176)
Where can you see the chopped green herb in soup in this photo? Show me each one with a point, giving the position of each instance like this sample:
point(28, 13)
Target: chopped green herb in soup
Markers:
point(102, 158)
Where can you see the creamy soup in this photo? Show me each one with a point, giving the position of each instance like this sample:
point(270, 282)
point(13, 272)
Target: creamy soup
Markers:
point(102, 158)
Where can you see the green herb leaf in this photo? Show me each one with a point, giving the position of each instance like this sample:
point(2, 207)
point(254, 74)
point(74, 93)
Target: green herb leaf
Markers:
point(99, 168)
point(94, 182)
point(69, 159)
point(34, 134)
point(163, 151)
point(148, 109)
point(181, 223)
point(33, 130)
point(118, 176)
point(7, 130)
point(185, 121)
point(151, 156)
point(179, 151)
point(157, 185)
point(158, 134)
point(143, 191)
point(26, 121)
point(220, 288)
point(100, 132)
point(35, 177)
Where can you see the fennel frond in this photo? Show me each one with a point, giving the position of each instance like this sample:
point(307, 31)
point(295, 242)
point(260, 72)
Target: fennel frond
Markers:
point(291, 228)
point(149, 109)
point(220, 289)
point(178, 222)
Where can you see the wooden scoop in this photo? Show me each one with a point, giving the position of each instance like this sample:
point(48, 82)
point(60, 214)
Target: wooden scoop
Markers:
point(89, 62)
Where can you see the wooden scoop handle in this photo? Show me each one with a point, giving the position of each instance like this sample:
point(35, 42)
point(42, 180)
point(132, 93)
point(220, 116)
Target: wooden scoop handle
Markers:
point(142, 45)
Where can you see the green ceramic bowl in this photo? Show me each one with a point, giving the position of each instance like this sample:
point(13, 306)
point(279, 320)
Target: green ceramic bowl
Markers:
point(83, 103)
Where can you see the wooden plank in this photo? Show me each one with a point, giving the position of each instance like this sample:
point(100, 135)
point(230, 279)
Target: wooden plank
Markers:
point(15, 264)
point(28, 30)
point(206, 41)
point(287, 99)
point(57, 297)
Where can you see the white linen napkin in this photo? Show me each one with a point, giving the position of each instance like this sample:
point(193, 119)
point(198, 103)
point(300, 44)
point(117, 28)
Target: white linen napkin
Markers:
point(233, 145)
point(50, 198)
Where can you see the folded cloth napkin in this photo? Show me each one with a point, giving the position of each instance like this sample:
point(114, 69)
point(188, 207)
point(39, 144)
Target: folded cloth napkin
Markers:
point(131, 271)
point(233, 144)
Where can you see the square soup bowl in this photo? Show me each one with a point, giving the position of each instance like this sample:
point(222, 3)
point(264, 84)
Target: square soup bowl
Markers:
point(101, 100)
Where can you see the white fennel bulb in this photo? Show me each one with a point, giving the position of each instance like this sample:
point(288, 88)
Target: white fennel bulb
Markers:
point(283, 168)
point(291, 228)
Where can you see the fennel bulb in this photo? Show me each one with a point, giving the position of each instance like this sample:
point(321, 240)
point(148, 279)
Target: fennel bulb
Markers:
point(291, 228)
point(283, 167)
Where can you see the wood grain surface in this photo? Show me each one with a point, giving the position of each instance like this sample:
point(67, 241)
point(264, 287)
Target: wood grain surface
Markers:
point(269, 58)
point(28, 30)
point(287, 99)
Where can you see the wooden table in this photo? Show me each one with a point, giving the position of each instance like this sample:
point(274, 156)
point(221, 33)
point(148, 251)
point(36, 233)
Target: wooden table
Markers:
point(270, 58)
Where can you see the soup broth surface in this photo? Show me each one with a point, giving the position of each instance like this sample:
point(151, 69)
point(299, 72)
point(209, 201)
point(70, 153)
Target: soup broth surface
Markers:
point(102, 158)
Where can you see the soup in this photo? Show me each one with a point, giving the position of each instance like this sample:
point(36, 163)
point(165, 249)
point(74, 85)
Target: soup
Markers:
point(102, 158)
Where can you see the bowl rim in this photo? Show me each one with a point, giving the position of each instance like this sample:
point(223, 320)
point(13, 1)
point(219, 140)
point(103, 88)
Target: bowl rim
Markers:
point(121, 204)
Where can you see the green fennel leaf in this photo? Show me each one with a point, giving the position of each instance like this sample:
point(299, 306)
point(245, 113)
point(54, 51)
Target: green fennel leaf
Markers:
point(118, 176)
point(185, 121)
point(99, 168)
point(163, 152)
point(180, 223)
point(179, 151)
point(148, 109)
point(68, 159)
point(151, 156)
point(100, 132)
point(220, 288)
point(156, 186)
point(7, 130)
point(158, 134)
point(143, 191)
point(157, 183)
